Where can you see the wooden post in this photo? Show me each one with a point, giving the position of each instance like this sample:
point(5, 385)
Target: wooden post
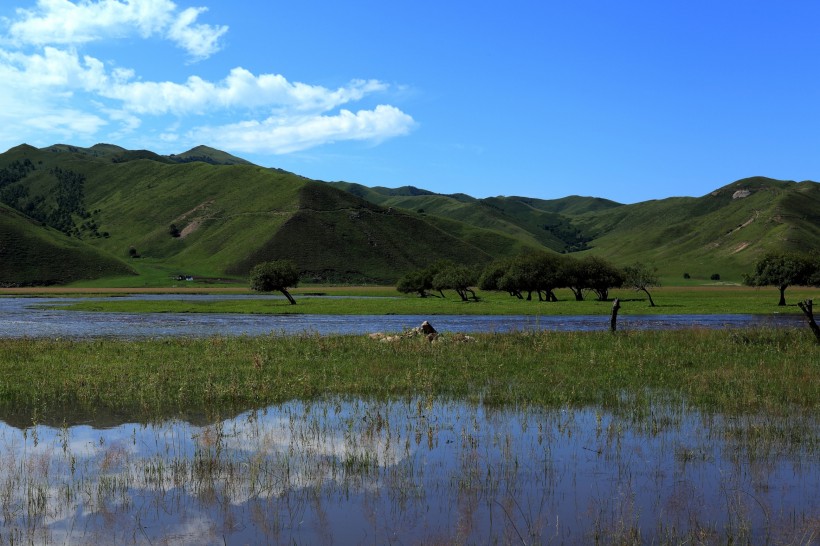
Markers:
point(613, 321)
point(805, 306)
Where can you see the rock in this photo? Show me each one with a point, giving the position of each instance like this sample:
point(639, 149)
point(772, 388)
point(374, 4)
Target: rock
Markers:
point(427, 328)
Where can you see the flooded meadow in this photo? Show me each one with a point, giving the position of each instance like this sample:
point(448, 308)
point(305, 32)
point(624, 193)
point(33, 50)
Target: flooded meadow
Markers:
point(338, 470)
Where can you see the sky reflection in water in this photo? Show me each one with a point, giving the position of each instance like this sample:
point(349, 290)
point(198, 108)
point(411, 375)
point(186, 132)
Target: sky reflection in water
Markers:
point(26, 317)
point(416, 470)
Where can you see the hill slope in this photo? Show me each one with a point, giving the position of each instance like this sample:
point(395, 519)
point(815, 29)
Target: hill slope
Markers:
point(217, 216)
point(723, 232)
point(31, 254)
point(539, 222)
point(207, 213)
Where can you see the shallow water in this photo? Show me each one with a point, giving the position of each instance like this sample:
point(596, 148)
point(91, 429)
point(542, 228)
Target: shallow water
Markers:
point(416, 471)
point(28, 317)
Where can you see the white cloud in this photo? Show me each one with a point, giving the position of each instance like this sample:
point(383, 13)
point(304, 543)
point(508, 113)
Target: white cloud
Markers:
point(63, 22)
point(58, 92)
point(281, 135)
point(239, 89)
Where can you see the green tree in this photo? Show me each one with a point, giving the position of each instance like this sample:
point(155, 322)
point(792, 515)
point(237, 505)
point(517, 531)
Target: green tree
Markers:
point(456, 277)
point(540, 272)
point(418, 281)
point(592, 273)
point(784, 269)
point(278, 275)
point(548, 274)
point(641, 278)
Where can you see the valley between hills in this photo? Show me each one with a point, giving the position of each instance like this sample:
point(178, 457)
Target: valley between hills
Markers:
point(137, 218)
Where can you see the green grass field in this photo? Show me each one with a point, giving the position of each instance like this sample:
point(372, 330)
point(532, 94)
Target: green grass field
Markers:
point(720, 371)
point(669, 300)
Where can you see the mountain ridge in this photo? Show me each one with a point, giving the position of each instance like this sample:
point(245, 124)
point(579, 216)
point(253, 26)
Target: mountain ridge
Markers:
point(213, 214)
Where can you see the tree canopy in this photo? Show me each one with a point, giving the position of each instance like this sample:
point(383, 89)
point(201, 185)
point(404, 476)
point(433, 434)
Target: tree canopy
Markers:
point(278, 275)
point(784, 269)
point(592, 273)
point(456, 277)
point(640, 277)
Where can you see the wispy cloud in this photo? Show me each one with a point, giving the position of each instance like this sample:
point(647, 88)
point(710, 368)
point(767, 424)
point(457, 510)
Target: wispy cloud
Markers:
point(62, 22)
point(50, 86)
point(284, 134)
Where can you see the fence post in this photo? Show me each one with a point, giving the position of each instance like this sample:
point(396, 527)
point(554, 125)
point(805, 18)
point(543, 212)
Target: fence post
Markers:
point(613, 321)
point(805, 306)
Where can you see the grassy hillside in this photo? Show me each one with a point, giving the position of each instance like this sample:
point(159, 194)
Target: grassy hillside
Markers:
point(532, 221)
point(209, 214)
point(722, 233)
point(31, 254)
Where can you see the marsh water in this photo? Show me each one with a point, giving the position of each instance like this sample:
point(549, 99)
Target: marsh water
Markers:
point(411, 471)
point(406, 471)
point(38, 317)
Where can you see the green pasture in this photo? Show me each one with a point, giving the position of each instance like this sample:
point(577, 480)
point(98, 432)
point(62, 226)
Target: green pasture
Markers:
point(387, 301)
point(733, 371)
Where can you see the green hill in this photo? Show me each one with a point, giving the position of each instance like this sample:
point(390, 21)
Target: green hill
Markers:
point(722, 233)
point(534, 221)
point(105, 210)
point(31, 254)
point(214, 216)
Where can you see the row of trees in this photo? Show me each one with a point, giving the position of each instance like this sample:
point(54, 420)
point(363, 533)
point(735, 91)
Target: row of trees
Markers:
point(542, 273)
point(442, 275)
point(537, 273)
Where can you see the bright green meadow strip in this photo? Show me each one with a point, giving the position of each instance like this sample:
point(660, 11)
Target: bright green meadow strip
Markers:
point(724, 371)
point(704, 300)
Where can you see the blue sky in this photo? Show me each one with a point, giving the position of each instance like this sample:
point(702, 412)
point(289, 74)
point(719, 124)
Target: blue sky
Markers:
point(631, 100)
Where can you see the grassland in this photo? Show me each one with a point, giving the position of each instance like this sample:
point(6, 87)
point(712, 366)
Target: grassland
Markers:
point(755, 393)
point(385, 300)
point(718, 371)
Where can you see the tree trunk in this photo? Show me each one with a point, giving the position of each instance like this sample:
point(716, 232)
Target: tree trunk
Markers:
point(614, 319)
point(805, 306)
point(579, 293)
point(782, 301)
point(651, 303)
point(288, 296)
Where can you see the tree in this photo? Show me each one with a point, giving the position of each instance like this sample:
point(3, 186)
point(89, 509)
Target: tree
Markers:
point(592, 273)
point(784, 269)
point(419, 281)
point(492, 275)
point(641, 278)
point(548, 274)
point(456, 277)
point(540, 272)
point(278, 275)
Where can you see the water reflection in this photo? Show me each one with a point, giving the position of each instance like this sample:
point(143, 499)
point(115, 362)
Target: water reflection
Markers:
point(27, 317)
point(416, 470)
